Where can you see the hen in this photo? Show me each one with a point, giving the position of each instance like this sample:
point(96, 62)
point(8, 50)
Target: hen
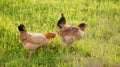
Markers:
point(68, 33)
point(33, 41)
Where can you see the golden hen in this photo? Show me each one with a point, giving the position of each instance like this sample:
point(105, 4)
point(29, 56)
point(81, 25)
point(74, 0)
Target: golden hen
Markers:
point(68, 33)
point(33, 41)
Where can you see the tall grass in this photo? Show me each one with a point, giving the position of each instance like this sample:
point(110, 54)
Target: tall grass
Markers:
point(99, 47)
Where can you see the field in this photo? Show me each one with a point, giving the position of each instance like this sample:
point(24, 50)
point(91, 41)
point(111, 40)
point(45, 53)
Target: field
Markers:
point(100, 46)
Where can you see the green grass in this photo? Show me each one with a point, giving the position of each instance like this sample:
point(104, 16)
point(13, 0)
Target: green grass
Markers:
point(99, 47)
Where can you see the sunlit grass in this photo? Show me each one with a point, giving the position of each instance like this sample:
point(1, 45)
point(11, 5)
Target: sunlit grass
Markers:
point(99, 47)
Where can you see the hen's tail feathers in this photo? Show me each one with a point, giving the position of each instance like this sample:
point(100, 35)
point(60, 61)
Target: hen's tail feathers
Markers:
point(22, 28)
point(62, 15)
point(82, 26)
point(62, 21)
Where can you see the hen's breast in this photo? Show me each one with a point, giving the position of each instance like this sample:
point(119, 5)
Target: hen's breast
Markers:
point(68, 39)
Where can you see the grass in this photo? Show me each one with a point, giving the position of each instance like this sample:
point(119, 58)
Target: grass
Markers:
point(99, 47)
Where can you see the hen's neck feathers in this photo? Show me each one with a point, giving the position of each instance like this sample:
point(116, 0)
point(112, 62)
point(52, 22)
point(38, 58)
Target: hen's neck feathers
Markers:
point(47, 36)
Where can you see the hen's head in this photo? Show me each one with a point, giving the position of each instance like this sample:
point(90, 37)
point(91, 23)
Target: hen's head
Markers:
point(50, 35)
point(61, 21)
point(22, 28)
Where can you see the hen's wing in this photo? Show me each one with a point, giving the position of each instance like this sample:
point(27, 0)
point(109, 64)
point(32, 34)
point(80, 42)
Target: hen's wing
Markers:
point(37, 39)
point(69, 31)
